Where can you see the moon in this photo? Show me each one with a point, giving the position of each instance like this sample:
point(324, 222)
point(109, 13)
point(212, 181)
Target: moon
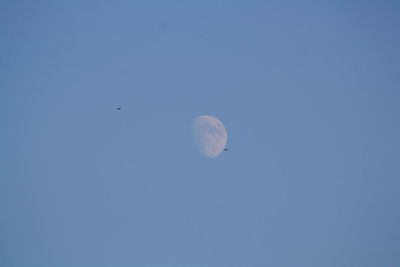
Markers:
point(209, 135)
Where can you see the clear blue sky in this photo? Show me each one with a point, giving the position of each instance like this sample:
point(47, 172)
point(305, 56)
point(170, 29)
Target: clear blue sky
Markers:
point(308, 91)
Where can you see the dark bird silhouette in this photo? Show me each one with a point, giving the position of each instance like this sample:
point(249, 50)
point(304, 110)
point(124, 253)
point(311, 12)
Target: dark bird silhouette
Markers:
point(118, 108)
point(225, 149)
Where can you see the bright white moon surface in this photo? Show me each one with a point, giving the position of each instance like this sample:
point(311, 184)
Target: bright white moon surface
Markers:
point(209, 135)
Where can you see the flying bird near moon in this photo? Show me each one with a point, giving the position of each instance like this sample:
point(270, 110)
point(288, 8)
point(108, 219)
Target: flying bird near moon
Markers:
point(209, 135)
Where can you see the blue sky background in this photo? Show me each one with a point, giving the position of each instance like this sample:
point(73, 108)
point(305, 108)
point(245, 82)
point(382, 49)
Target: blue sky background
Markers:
point(308, 92)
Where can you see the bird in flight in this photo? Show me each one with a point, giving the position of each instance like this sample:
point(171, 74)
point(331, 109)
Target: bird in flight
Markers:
point(118, 108)
point(225, 149)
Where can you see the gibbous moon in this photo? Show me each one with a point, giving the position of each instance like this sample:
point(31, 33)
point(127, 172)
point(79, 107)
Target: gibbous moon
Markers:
point(209, 135)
